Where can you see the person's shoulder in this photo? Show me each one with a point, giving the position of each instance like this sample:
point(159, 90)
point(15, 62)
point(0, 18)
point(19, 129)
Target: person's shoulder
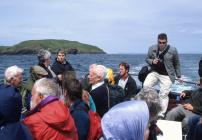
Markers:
point(116, 77)
point(55, 63)
point(154, 46)
point(172, 47)
point(130, 77)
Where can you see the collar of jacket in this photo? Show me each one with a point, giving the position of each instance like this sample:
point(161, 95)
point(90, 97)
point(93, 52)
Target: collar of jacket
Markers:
point(44, 102)
point(64, 62)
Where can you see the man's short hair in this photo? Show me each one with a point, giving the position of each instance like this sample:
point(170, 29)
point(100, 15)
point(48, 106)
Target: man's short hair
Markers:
point(12, 71)
point(151, 97)
point(162, 36)
point(61, 51)
point(125, 65)
point(47, 87)
point(43, 55)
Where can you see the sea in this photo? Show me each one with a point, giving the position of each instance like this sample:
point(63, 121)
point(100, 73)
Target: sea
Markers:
point(81, 62)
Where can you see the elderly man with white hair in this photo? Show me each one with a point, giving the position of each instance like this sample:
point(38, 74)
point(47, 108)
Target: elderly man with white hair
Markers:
point(13, 76)
point(49, 118)
point(99, 91)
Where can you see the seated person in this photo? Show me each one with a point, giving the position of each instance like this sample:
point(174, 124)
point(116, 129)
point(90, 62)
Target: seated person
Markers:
point(71, 75)
point(195, 128)
point(99, 92)
point(14, 77)
point(78, 108)
point(10, 113)
point(131, 127)
point(125, 80)
point(49, 118)
point(192, 107)
point(36, 72)
point(61, 64)
point(130, 120)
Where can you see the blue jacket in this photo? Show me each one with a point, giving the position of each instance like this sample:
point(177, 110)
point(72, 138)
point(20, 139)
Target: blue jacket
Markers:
point(10, 112)
point(79, 111)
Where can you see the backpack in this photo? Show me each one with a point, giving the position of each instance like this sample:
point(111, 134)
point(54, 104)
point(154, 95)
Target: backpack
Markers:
point(116, 94)
point(145, 70)
point(95, 130)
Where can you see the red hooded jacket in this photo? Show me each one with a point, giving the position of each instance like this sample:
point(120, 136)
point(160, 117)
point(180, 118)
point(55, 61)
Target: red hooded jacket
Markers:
point(52, 122)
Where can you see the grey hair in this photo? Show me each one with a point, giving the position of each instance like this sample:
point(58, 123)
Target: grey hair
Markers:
point(12, 71)
point(47, 87)
point(100, 71)
point(43, 55)
point(151, 97)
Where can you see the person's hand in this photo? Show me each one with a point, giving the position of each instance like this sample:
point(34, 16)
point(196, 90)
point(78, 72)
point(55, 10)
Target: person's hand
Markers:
point(200, 120)
point(179, 80)
point(198, 83)
point(182, 95)
point(59, 77)
point(155, 61)
point(188, 107)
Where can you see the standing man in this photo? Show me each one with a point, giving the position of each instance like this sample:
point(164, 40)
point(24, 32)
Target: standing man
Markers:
point(124, 80)
point(165, 64)
point(61, 64)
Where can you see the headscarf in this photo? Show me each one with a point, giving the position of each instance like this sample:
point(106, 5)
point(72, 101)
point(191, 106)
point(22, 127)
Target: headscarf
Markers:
point(126, 121)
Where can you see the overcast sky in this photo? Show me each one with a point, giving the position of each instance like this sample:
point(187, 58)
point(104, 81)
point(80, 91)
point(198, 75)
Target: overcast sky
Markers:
point(116, 26)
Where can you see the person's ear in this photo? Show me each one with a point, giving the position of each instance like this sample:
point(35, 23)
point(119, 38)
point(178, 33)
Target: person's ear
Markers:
point(65, 93)
point(41, 96)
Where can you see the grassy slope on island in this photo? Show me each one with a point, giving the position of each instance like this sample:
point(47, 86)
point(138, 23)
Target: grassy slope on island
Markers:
point(33, 46)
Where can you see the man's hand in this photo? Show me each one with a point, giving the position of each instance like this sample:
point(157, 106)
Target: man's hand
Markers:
point(179, 80)
point(188, 107)
point(155, 61)
point(200, 121)
point(60, 77)
point(182, 95)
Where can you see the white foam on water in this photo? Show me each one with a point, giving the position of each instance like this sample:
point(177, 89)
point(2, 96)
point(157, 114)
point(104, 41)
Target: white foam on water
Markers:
point(176, 87)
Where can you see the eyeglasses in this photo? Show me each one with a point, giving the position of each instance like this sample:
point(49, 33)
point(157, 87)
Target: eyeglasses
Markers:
point(162, 42)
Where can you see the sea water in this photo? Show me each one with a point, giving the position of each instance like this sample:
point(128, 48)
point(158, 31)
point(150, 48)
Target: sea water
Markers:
point(81, 62)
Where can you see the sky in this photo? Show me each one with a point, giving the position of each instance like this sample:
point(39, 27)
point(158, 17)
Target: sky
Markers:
point(116, 26)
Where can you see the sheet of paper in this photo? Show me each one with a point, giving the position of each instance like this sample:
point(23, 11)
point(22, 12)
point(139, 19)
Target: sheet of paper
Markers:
point(172, 130)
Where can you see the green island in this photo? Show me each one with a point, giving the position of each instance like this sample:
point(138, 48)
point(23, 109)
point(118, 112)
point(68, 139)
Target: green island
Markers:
point(53, 45)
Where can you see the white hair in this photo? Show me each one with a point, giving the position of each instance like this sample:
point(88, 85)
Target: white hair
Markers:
point(43, 55)
point(47, 87)
point(100, 70)
point(12, 71)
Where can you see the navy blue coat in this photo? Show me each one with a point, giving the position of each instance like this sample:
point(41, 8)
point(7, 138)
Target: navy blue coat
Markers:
point(100, 98)
point(130, 87)
point(79, 111)
point(10, 112)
